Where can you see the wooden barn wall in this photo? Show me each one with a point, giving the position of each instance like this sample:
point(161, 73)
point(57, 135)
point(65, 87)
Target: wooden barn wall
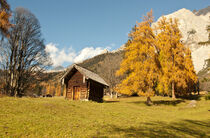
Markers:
point(96, 91)
point(76, 80)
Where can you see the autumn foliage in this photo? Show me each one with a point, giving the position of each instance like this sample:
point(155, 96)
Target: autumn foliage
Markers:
point(140, 61)
point(49, 88)
point(4, 17)
point(156, 60)
point(177, 71)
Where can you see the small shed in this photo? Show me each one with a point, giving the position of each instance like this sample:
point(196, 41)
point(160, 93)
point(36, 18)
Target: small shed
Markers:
point(82, 84)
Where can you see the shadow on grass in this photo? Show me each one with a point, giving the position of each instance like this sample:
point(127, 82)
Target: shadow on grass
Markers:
point(184, 128)
point(192, 97)
point(168, 102)
point(161, 102)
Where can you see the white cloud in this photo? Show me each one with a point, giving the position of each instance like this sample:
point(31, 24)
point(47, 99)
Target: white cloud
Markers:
point(87, 52)
point(51, 48)
point(59, 56)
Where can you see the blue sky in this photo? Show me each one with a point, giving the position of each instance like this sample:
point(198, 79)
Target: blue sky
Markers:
point(78, 29)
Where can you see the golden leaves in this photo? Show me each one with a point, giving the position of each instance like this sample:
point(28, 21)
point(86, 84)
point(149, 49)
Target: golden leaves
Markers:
point(139, 61)
point(152, 62)
point(175, 58)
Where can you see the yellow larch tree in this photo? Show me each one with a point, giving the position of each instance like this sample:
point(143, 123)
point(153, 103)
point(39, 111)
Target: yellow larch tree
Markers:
point(190, 74)
point(5, 14)
point(175, 59)
point(139, 63)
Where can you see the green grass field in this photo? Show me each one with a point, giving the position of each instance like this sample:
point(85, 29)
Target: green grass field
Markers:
point(125, 117)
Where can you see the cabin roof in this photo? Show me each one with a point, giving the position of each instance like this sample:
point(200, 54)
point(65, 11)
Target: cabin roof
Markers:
point(87, 73)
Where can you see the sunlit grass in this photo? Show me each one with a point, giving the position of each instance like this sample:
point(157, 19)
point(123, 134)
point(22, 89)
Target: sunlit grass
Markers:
point(125, 117)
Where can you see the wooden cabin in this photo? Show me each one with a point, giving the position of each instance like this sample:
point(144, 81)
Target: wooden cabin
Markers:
point(82, 84)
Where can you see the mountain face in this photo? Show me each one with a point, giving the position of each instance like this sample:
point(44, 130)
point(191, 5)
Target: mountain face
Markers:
point(193, 29)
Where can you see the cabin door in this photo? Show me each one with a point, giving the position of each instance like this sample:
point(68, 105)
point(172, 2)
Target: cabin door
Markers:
point(76, 92)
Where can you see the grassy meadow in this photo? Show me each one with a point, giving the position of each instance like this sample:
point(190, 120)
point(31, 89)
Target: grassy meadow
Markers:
point(124, 117)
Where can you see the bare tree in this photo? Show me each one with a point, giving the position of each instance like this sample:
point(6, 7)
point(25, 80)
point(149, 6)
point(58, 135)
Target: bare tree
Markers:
point(24, 53)
point(107, 69)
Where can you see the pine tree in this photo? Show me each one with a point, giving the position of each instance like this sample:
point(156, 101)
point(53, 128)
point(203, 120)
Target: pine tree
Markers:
point(140, 61)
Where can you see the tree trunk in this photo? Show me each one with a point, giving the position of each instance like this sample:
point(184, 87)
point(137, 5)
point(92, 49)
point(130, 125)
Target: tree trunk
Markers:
point(198, 88)
point(116, 95)
point(149, 101)
point(16, 94)
point(173, 91)
point(111, 95)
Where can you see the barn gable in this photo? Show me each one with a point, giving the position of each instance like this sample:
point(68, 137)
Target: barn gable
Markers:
point(87, 73)
point(83, 84)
